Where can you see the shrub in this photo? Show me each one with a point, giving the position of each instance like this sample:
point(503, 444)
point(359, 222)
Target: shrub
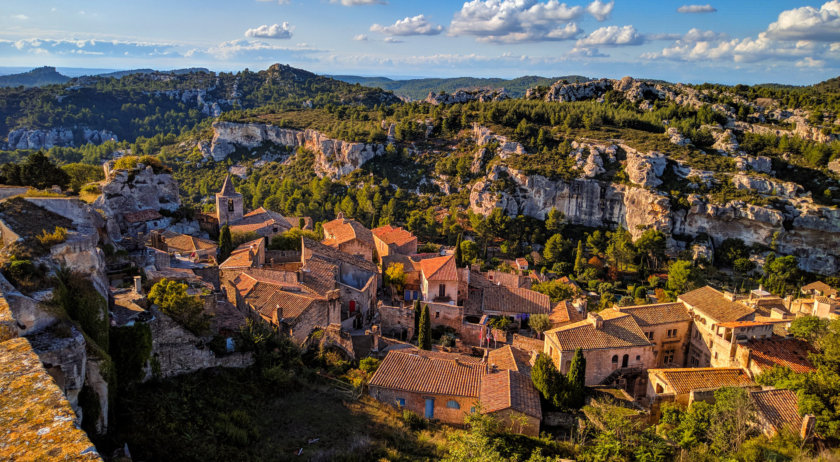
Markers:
point(369, 365)
point(58, 236)
point(412, 420)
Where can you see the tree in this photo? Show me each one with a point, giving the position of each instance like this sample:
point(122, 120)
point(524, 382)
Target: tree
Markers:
point(577, 379)
point(732, 420)
point(37, 170)
point(554, 249)
point(808, 328)
point(554, 221)
point(539, 323)
point(580, 265)
point(188, 310)
point(225, 243)
point(395, 277)
point(596, 242)
point(556, 290)
point(417, 313)
point(424, 340)
point(681, 276)
point(782, 273)
point(651, 244)
point(82, 174)
point(459, 258)
point(469, 251)
point(549, 381)
point(620, 249)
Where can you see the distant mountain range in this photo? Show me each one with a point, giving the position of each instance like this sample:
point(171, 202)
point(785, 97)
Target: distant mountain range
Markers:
point(48, 75)
point(416, 89)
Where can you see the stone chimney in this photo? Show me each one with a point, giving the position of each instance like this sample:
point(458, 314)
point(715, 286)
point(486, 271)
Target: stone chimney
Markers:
point(138, 285)
point(596, 320)
point(374, 337)
point(807, 429)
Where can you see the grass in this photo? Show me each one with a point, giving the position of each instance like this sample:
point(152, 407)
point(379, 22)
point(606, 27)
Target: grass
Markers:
point(232, 414)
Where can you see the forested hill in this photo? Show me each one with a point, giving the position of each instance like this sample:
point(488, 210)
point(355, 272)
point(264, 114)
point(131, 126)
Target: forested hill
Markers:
point(417, 89)
point(160, 103)
point(34, 78)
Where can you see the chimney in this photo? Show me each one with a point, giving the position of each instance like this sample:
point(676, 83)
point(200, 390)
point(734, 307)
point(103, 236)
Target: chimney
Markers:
point(138, 285)
point(729, 296)
point(807, 429)
point(596, 320)
point(374, 333)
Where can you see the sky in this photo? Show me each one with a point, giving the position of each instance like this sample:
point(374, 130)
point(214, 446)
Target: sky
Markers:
point(790, 41)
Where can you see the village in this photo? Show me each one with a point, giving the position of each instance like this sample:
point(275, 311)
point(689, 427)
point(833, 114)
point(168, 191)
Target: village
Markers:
point(452, 340)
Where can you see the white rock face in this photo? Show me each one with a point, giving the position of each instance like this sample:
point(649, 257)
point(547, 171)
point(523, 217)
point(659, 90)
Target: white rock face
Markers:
point(763, 185)
point(725, 141)
point(484, 136)
point(333, 158)
point(462, 96)
point(644, 169)
point(675, 137)
point(23, 138)
point(760, 164)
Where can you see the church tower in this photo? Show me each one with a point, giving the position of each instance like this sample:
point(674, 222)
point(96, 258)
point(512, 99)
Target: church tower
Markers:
point(229, 204)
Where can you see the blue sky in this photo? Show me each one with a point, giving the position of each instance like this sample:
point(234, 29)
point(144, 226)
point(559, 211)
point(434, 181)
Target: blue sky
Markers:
point(789, 41)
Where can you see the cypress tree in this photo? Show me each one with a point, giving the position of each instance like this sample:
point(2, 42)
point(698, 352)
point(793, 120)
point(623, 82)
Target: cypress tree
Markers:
point(424, 340)
point(579, 266)
point(459, 258)
point(416, 318)
point(577, 379)
point(225, 243)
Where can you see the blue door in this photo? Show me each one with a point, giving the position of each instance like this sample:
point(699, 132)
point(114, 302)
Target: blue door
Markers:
point(430, 408)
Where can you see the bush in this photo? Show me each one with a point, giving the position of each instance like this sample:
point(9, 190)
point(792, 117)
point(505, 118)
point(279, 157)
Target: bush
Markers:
point(186, 310)
point(369, 365)
point(412, 420)
point(58, 236)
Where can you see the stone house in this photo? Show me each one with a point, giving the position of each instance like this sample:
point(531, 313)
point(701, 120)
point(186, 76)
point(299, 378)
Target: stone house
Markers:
point(349, 236)
point(759, 355)
point(612, 343)
point(248, 255)
point(777, 411)
point(230, 211)
point(667, 326)
point(819, 288)
point(390, 240)
point(709, 308)
point(184, 245)
point(516, 304)
point(567, 312)
point(439, 279)
point(512, 398)
point(685, 386)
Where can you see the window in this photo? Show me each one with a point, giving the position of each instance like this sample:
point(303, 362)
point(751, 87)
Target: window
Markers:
point(649, 335)
point(672, 333)
point(716, 355)
point(638, 358)
point(437, 314)
point(401, 402)
point(452, 404)
point(615, 359)
point(695, 359)
point(442, 290)
point(230, 205)
point(625, 360)
point(472, 410)
point(668, 357)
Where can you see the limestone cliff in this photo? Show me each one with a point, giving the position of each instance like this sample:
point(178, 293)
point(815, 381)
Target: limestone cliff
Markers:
point(333, 158)
point(28, 138)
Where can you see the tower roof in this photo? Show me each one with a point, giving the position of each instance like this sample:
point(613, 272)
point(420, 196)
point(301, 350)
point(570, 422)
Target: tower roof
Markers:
point(227, 188)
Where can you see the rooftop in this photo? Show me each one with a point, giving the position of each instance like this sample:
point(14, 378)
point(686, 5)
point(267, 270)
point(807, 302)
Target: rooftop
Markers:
point(511, 358)
point(437, 373)
point(776, 351)
point(509, 389)
point(780, 408)
point(313, 249)
point(343, 230)
point(393, 235)
point(619, 330)
point(439, 268)
point(715, 305)
point(227, 188)
point(821, 287)
point(508, 300)
point(564, 312)
point(260, 219)
point(656, 314)
point(270, 298)
point(187, 243)
point(683, 380)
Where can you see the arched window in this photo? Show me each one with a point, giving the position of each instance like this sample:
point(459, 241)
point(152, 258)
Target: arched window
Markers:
point(625, 360)
point(615, 359)
point(230, 205)
point(452, 404)
point(659, 389)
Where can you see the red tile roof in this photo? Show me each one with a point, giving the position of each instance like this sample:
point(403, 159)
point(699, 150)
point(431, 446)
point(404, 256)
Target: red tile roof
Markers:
point(510, 358)
point(343, 230)
point(269, 299)
point(684, 380)
point(260, 220)
point(775, 351)
point(241, 257)
point(439, 268)
point(187, 243)
point(779, 408)
point(563, 313)
point(422, 371)
point(659, 313)
point(393, 235)
point(619, 330)
point(821, 287)
point(509, 390)
point(713, 304)
point(507, 300)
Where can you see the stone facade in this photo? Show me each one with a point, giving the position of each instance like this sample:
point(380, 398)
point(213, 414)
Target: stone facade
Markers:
point(442, 409)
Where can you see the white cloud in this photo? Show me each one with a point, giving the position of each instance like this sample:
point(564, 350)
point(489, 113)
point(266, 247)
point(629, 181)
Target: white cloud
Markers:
point(808, 23)
point(416, 25)
point(20, 17)
point(279, 2)
point(359, 2)
point(360, 38)
point(612, 36)
point(110, 48)
point(586, 53)
point(392, 40)
point(810, 62)
point(274, 31)
point(600, 10)
point(516, 20)
point(696, 9)
point(697, 35)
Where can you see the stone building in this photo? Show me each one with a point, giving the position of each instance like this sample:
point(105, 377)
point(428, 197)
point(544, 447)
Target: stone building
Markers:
point(709, 308)
point(439, 279)
point(612, 342)
point(667, 326)
point(390, 240)
point(686, 386)
point(230, 206)
point(349, 236)
point(777, 411)
point(230, 211)
point(248, 255)
point(760, 355)
point(819, 288)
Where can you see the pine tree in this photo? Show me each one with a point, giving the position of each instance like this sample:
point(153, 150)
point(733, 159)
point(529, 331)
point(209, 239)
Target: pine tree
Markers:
point(459, 258)
point(577, 380)
point(424, 340)
point(579, 266)
point(225, 243)
point(417, 313)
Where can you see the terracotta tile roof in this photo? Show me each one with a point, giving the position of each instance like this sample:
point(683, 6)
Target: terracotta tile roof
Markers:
point(393, 235)
point(821, 287)
point(295, 221)
point(343, 230)
point(268, 298)
point(429, 372)
point(260, 220)
point(510, 358)
point(788, 352)
point(509, 390)
point(319, 276)
point(683, 380)
point(507, 300)
point(36, 420)
point(187, 243)
point(521, 262)
point(619, 330)
point(505, 279)
point(227, 188)
point(737, 324)
point(780, 408)
point(712, 303)
point(439, 268)
point(317, 250)
point(142, 216)
point(656, 314)
point(826, 301)
point(528, 344)
point(241, 256)
point(563, 313)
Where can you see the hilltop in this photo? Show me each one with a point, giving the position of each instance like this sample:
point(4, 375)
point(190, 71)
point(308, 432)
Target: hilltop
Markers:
point(35, 78)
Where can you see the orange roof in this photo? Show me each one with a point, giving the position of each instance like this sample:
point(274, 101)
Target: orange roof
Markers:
point(821, 287)
point(393, 235)
point(509, 390)
point(343, 230)
point(683, 380)
point(269, 298)
point(260, 220)
point(510, 358)
point(507, 300)
point(655, 314)
point(564, 312)
point(737, 324)
point(439, 268)
point(430, 372)
point(775, 351)
point(619, 330)
point(187, 243)
point(241, 257)
point(713, 304)
point(779, 408)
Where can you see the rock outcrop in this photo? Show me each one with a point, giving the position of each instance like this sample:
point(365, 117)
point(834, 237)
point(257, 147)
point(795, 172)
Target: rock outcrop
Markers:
point(644, 169)
point(333, 158)
point(484, 136)
point(465, 96)
point(24, 138)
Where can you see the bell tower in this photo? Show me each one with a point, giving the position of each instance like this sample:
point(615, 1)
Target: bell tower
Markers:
point(229, 204)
